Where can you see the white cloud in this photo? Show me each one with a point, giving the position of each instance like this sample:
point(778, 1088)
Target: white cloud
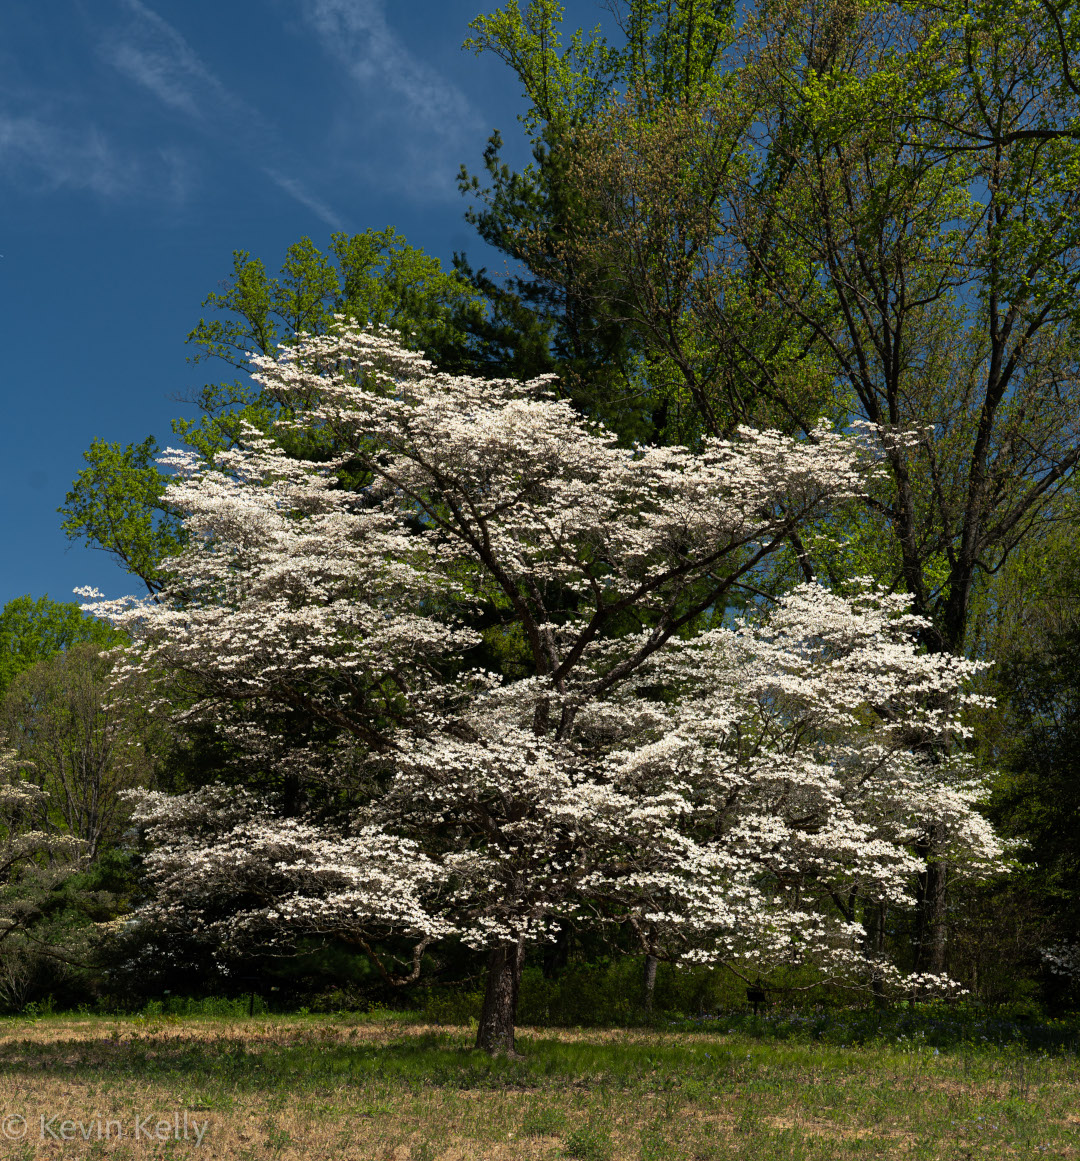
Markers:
point(150, 52)
point(56, 157)
point(152, 72)
point(153, 54)
point(415, 123)
point(296, 190)
point(356, 32)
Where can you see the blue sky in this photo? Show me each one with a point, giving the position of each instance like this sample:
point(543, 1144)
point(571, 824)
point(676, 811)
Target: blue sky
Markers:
point(141, 142)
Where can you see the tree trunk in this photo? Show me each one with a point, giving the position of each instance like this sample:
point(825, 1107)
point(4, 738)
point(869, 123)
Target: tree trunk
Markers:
point(650, 981)
point(931, 927)
point(936, 877)
point(874, 923)
point(496, 1031)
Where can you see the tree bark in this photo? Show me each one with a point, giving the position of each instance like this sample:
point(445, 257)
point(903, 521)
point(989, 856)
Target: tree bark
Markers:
point(495, 1034)
point(874, 924)
point(932, 928)
point(936, 878)
point(650, 981)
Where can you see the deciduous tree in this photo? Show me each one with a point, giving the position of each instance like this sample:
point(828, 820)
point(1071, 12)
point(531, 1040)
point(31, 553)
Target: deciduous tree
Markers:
point(81, 742)
point(31, 631)
point(732, 792)
point(116, 503)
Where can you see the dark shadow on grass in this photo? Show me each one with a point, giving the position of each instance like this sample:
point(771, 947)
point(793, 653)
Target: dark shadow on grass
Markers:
point(428, 1059)
point(956, 1027)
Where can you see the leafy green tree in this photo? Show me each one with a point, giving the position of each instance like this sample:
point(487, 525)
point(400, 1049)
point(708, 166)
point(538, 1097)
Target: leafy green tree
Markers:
point(951, 276)
point(34, 630)
point(965, 41)
point(116, 505)
point(849, 211)
point(797, 224)
point(1037, 800)
point(35, 859)
point(374, 277)
point(82, 742)
point(670, 50)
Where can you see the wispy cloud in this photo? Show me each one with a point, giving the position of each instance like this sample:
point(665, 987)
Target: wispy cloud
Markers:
point(54, 157)
point(295, 190)
point(154, 55)
point(150, 52)
point(421, 120)
point(357, 33)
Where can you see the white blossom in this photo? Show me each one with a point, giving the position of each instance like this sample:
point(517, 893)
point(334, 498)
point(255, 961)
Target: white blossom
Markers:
point(723, 791)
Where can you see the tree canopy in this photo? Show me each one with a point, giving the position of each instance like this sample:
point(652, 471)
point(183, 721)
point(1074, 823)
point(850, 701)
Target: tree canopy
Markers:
point(34, 630)
point(742, 794)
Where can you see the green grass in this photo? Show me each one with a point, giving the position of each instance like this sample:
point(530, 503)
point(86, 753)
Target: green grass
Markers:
point(369, 1087)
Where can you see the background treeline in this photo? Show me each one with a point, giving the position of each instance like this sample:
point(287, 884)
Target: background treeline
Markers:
point(766, 214)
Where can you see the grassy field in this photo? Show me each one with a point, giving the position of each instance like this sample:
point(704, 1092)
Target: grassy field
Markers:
point(387, 1088)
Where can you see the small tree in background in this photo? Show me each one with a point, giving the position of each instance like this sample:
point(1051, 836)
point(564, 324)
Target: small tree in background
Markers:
point(82, 742)
point(34, 858)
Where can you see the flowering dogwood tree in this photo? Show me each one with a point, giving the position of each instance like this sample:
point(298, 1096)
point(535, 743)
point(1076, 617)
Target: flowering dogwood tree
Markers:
point(35, 856)
point(731, 791)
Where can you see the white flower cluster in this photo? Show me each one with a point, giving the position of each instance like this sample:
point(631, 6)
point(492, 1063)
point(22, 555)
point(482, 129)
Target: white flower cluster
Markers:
point(1063, 959)
point(727, 793)
point(32, 850)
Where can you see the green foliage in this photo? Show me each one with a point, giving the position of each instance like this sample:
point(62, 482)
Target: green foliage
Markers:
point(820, 212)
point(68, 745)
point(31, 631)
point(105, 889)
point(670, 51)
point(608, 366)
point(1037, 798)
point(537, 325)
point(996, 931)
point(141, 963)
point(374, 277)
point(116, 505)
point(51, 958)
point(608, 992)
point(640, 362)
point(187, 1007)
point(1018, 1027)
point(83, 741)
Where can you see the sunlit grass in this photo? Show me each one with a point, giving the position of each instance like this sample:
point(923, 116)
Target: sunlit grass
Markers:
point(382, 1088)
